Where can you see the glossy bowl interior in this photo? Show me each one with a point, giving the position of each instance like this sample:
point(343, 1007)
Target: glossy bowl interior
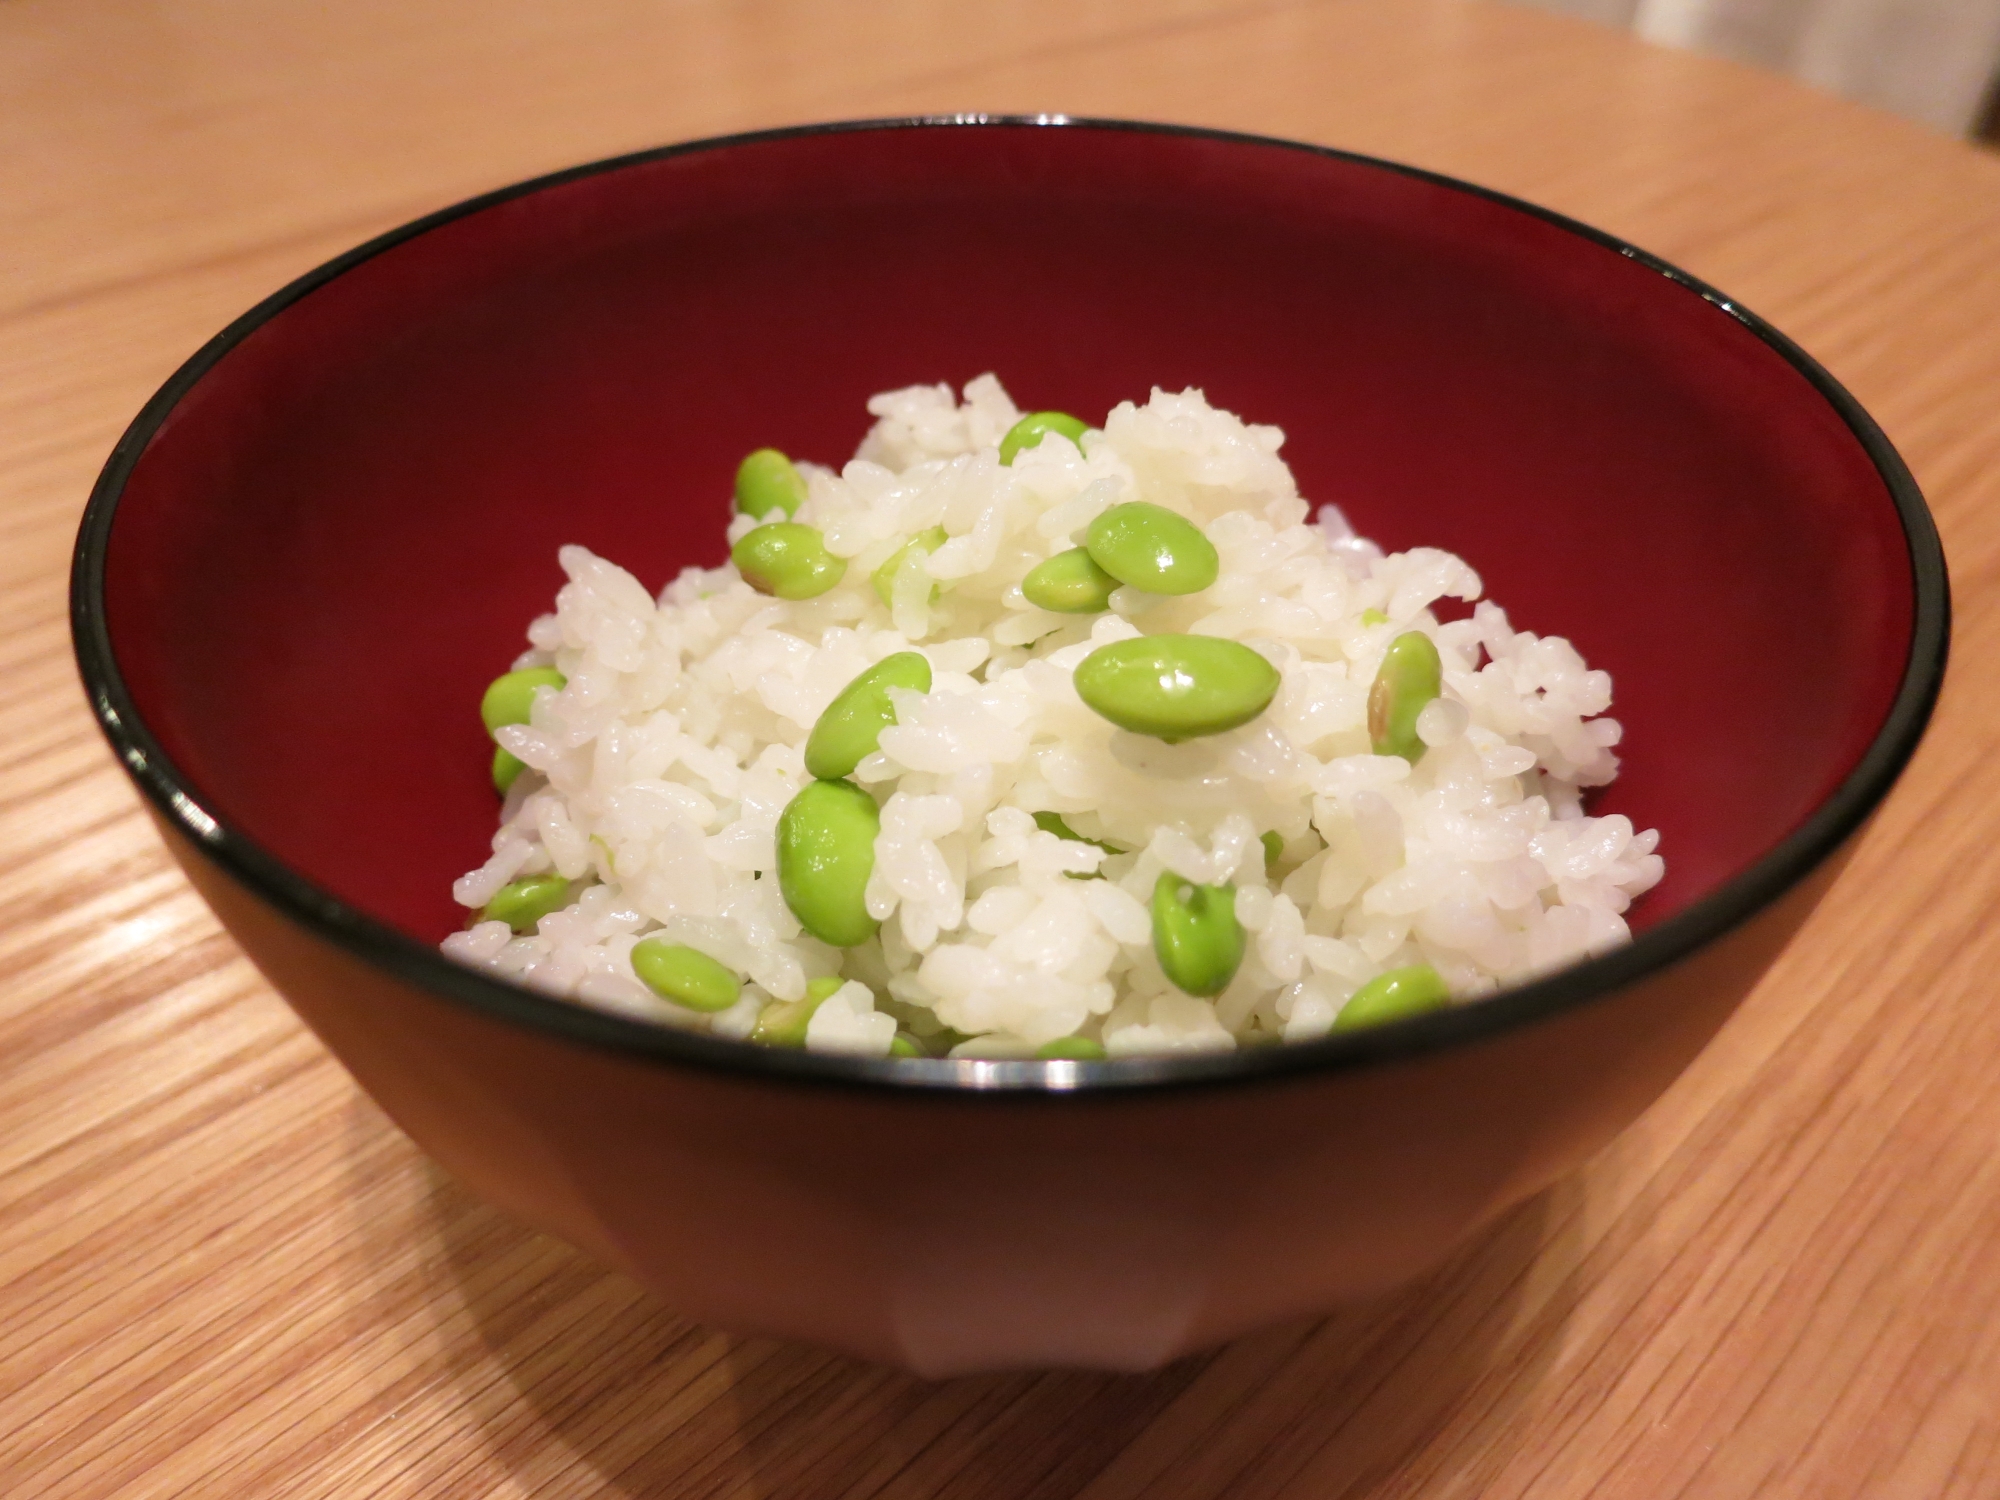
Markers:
point(339, 531)
point(329, 531)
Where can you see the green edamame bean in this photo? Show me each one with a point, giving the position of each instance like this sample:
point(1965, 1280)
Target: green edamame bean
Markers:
point(1069, 584)
point(902, 1044)
point(507, 770)
point(525, 902)
point(787, 559)
point(884, 577)
point(826, 852)
point(1196, 936)
point(1050, 822)
point(783, 1022)
point(1404, 992)
point(766, 481)
point(685, 975)
point(1410, 677)
point(1373, 617)
point(1274, 846)
point(1152, 548)
point(510, 698)
point(1071, 1049)
point(1031, 429)
point(851, 727)
point(1176, 687)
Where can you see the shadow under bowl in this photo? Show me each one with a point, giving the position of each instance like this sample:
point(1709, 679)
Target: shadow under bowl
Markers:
point(326, 533)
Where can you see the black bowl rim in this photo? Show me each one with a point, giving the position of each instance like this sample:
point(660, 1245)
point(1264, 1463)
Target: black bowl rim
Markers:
point(183, 806)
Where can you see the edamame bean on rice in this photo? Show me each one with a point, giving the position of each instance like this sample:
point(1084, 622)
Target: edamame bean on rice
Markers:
point(673, 739)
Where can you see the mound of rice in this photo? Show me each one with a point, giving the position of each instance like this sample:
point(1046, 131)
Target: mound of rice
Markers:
point(657, 774)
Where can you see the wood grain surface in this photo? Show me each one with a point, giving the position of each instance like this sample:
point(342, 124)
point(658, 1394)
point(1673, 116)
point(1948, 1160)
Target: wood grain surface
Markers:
point(222, 1273)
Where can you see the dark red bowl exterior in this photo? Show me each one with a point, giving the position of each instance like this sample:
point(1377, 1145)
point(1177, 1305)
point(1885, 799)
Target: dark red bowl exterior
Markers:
point(328, 531)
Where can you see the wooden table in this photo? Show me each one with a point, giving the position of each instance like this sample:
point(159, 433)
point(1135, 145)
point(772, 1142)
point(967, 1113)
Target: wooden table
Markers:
point(222, 1273)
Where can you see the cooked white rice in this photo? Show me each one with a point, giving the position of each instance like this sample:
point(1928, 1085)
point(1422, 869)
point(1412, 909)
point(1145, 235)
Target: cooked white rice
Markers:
point(659, 771)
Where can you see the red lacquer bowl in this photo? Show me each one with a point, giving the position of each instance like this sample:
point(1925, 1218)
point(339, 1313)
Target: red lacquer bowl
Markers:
point(327, 532)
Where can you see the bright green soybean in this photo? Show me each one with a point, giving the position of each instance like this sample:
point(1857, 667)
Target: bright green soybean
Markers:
point(507, 769)
point(1196, 936)
point(1373, 617)
point(525, 902)
point(787, 559)
point(1069, 584)
point(1050, 822)
point(884, 577)
point(783, 1022)
point(1176, 687)
point(1152, 548)
point(1274, 846)
point(826, 852)
point(851, 727)
point(1409, 678)
point(766, 481)
point(902, 1044)
point(685, 975)
point(1031, 429)
point(510, 698)
point(1404, 992)
point(1071, 1049)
